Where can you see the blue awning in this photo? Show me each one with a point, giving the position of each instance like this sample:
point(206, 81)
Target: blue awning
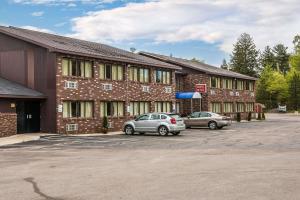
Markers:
point(188, 95)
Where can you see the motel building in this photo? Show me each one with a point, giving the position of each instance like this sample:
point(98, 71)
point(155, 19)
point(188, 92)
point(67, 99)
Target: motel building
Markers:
point(56, 84)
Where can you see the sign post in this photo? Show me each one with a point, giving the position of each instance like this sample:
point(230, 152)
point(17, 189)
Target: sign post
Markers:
point(201, 88)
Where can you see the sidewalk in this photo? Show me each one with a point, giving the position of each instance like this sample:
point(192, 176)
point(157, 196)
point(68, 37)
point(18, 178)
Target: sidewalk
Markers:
point(15, 139)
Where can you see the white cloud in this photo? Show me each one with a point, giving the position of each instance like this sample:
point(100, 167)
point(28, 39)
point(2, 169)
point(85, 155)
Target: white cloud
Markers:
point(37, 29)
point(37, 14)
point(218, 21)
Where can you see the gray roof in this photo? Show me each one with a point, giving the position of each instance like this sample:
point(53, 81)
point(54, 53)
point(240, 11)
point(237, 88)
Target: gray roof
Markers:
point(56, 43)
point(15, 90)
point(209, 69)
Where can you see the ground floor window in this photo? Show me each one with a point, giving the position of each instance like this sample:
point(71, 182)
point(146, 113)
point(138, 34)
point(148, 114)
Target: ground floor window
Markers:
point(249, 107)
point(163, 106)
point(216, 107)
point(82, 109)
point(139, 108)
point(228, 107)
point(112, 109)
point(239, 107)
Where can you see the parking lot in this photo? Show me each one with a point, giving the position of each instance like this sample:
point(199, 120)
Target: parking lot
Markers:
point(256, 160)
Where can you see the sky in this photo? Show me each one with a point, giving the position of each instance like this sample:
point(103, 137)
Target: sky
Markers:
point(202, 29)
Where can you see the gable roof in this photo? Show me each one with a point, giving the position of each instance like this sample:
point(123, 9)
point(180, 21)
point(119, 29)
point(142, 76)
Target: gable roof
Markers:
point(199, 66)
point(67, 45)
point(9, 89)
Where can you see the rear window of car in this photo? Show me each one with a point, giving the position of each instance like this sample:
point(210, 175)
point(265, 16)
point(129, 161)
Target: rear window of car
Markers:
point(176, 116)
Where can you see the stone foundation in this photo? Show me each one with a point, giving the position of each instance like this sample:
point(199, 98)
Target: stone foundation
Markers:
point(8, 124)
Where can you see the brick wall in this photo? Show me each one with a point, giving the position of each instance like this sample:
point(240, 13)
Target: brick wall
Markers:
point(91, 90)
point(8, 124)
point(191, 78)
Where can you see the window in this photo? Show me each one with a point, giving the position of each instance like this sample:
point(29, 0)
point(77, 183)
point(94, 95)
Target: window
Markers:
point(250, 85)
point(205, 114)
point(139, 108)
point(143, 117)
point(239, 107)
point(163, 107)
point(111, 72)
point(79, 68)
point(239, 85)
point(228, 107)
point(139, 74)
point(154, 117)
point(216, 107)
point(227, 83)
point(195, 114)
point(162, 76)
point(215, 82)
point(112, 109)
point(81, 109)
point(249, 107)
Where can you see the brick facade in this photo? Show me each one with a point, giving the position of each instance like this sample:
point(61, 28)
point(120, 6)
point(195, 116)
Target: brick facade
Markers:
point(90, 89)
point(8, 125)
point(187, 83)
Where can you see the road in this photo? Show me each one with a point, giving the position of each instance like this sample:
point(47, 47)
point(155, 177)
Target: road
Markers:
point(256, 160)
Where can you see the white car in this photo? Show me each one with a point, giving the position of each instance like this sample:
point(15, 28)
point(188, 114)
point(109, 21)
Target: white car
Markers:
point(161, 123)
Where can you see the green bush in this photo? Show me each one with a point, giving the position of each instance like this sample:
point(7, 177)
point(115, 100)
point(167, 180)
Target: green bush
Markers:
point(249, 116)
point(105, 123)
point(263, 116)
point(238, 117)
point(259, 116)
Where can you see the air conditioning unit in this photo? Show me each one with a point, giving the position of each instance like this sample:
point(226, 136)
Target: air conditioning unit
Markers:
point(71, 84)
point(212, 92)
point(168, 89)
point(72, 127)
point(237, 94)
point(110, 125)
point(231, 93)
point(145, 88)
point(252, 94)
point(107, 87)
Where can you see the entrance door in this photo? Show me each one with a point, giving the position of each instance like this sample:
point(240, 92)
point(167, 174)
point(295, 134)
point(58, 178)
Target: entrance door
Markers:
point(28, 116)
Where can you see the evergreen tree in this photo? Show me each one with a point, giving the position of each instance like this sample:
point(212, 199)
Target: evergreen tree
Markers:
point(267, 58)
point(281, 58)
point(224, 65)
point(244, 56)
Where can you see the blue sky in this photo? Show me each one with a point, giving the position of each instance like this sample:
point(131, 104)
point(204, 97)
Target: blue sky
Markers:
point(191, 28)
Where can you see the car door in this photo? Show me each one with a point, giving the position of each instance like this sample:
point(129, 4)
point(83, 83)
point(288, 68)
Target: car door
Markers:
point(204, 119)
point(142, 123)
point(192, 119)
point(154, 122)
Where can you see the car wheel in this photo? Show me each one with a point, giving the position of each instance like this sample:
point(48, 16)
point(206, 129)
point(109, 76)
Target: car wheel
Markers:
point(129, 130)
point(163, 131)
point(176, 133)
point(212, 125)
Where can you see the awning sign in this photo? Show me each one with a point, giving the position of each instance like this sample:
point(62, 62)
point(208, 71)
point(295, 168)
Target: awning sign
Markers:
point(201, 88)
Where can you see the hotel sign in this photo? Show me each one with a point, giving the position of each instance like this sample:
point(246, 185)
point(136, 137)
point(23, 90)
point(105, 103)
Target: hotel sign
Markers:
point(201, 88)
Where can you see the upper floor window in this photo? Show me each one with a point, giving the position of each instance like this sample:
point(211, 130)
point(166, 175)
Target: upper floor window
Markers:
point(111, 72)
point(215, 82)
point(227, 83)
point(250, 85)
point(239, 85)
point(81, 109)
point(139, 74)
point(112, 109)
point(79, 68)
point(162, 76)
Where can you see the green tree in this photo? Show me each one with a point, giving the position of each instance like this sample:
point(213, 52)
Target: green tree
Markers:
point(224, 65)
point(267, 58)
point(293, 79)
point(244, 57)
point(296, 43)
point(281, 58)
point(278, 87)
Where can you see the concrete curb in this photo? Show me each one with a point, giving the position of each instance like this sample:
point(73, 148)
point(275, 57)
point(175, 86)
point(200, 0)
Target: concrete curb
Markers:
point(16, 139)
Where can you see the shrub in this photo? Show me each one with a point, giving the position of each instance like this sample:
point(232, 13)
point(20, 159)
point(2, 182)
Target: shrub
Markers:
point(238, 117)
point(249, 116)
point(259, 116)
point(263, 116)
point(105, 125)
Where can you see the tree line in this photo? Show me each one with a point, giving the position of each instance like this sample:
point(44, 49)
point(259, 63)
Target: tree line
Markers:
point(277, 70)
